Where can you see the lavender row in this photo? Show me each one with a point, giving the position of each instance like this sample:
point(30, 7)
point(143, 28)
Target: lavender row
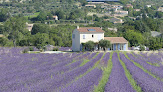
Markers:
point(86, 83)
point(9, 77)
point(62, 80)
point(144, 80)
point(11, 51)
point(118, 81)
point(25, 67)
point(15, 69)
point(65, 48)
point(152, 58)
point(43, 79)
point(104, 61)
point(154, 70)
point(19, 67)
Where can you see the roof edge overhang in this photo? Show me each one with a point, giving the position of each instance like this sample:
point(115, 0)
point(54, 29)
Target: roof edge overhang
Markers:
point(119, 42)
point(91, 32)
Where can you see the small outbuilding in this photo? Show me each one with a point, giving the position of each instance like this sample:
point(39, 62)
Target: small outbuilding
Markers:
point(117, 43)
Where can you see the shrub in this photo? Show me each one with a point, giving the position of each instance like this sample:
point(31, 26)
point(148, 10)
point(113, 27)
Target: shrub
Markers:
point(142, 48)
point(31, 49)
point(55, 49)
point(44, 48)
point(41, 50)
point(104, 44)
point(89, 45)
point(25, 51)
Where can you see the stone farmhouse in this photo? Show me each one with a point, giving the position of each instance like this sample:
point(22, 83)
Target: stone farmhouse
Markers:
point(95, 34)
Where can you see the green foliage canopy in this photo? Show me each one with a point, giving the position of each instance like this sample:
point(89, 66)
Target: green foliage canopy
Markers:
point(134, 38)
point(104, 44)
point(14, 27)
point(89, 45)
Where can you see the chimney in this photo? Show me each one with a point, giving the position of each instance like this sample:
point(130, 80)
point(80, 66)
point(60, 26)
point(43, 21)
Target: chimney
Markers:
point(77, 27)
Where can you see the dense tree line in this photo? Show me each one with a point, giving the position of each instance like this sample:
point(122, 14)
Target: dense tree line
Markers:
point(16, 34)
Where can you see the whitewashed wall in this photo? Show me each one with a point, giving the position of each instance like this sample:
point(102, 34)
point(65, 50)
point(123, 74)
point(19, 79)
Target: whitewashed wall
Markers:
point(88, 37)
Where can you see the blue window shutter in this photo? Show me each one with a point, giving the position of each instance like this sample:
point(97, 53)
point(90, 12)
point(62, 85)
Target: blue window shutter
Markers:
point(114, 47)
point(124, 47)
point(118, 46)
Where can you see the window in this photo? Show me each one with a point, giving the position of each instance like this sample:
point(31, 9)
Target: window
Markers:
point(73, 36)
point(83, 36)
point(92, 36)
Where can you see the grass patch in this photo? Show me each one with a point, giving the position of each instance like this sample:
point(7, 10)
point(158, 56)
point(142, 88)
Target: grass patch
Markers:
point(105, 75)
point(84, 62)
point(129, 76)
point(141, 67)
point(154, 64)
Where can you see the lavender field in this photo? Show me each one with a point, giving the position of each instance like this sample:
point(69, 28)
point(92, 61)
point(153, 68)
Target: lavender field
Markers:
point(80, 72)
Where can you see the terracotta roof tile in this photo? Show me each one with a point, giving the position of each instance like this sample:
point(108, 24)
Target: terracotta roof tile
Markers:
point(116, 39)
point(86, 29)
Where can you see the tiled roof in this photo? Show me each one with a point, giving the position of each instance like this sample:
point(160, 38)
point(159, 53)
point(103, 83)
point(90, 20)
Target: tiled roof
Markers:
point(55, 16)
point(86, 29)
point(116, 39)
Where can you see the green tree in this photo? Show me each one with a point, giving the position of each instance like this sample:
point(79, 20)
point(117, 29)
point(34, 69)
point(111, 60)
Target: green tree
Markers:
point(41, 28)
point(58, 41)
point(141, 26)
point(124, 1)
point(1, 29)
point(130, 11)
point(25, 39)
point(3, 41)
point(49, 16)
point(14, 27)
point(72, 16)
point(142, 48)
point(83, 2)
point(40, 40)
point(159, 14)
point(4, 14)
point(135, 38)
point(42, 16)
point(104, 44)
point(155, 43)
point(60, 14)
point(89, 45)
